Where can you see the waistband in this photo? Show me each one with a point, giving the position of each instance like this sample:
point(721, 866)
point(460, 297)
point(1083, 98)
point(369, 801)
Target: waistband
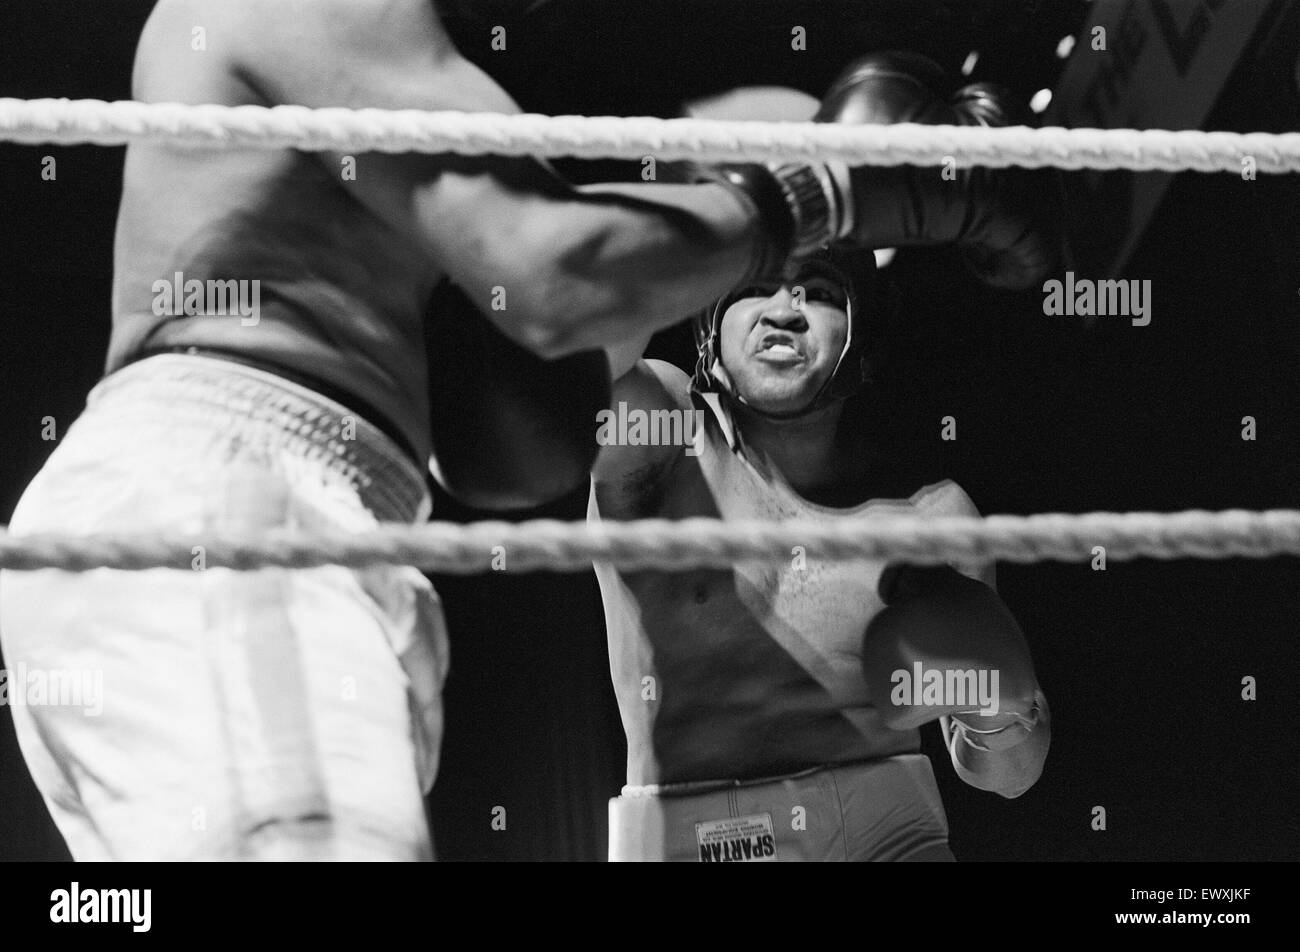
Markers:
point(263, 407)
point(306, 381)
point(694, 787)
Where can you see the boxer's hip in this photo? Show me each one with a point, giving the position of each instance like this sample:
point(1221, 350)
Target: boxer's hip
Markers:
point(188, 426)
point(879, 810)
point(265, 697)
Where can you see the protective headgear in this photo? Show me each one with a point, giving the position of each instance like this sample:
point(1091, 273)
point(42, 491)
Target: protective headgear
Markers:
point(852, 268)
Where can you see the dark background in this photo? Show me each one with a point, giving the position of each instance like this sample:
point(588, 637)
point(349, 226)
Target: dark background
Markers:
point(1142, 662)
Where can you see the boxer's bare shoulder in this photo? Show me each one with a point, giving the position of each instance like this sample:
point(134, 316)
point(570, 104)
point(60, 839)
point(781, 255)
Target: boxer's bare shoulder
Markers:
point(946, 498)
point(943, 498)
point(279, 37)
point(323, 52)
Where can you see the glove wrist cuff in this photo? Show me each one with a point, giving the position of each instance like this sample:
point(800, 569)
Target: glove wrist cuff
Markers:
point(814, 205)
point(1001, 738)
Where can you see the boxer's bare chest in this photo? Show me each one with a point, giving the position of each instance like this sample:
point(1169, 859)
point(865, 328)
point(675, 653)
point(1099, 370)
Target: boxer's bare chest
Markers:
point(756, 668)
point(814, 608)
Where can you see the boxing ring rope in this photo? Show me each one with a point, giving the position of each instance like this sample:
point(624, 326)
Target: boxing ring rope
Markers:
point(674, 545)
point(590, 137)
point(662, 544)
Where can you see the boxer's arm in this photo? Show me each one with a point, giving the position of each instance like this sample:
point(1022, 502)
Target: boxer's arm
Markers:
point(947, 498)
point(957, 624)
point(1008, 772)
point(579, 269)
point(627, 474)
point(989, 704)
point(624, 356)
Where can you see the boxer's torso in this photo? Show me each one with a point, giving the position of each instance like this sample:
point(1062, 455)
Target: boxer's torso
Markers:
point(756, 670)
point(339, 296)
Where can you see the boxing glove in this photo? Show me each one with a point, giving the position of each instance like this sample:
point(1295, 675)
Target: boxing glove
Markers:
point(1000, 217)
point(940, 630)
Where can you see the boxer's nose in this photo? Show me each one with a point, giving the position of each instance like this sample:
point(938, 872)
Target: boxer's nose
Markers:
point(782, 316)
point(779, 310)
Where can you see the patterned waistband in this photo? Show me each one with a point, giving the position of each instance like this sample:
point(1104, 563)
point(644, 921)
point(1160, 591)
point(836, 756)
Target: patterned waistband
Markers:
point(259, 407)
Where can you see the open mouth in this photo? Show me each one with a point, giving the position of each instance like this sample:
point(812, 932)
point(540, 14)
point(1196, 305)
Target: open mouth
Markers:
point(779, 348)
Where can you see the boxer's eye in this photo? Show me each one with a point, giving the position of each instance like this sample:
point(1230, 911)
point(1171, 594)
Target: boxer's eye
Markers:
point(760, 291)
point(824, 292)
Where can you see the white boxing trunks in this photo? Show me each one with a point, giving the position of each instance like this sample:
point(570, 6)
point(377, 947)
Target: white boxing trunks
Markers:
point(879, 810)
point(270, 714)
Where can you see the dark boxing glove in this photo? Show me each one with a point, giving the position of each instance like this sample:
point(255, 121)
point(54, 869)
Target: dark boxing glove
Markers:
point(995, 215)
point(999, 217)
point(944, 621)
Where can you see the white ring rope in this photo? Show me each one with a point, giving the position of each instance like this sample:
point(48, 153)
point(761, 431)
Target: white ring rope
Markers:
point(664, 545)
point(590, 137)
point(661, 544)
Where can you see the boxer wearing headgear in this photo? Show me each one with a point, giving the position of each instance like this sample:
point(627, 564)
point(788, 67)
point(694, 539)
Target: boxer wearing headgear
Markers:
point(762, 704)
point(844, 267)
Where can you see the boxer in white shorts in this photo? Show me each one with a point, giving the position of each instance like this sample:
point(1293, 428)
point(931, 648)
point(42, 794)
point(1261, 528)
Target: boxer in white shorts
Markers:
point(245, 715)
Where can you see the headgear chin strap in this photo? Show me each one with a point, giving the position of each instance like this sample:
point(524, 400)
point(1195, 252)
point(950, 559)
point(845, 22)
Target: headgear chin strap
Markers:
point(855, 270)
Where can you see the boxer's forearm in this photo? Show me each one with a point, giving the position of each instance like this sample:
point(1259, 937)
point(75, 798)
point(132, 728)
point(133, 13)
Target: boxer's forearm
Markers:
point(1009, 772)
point(613, 262)
point(698, 245)
point(556, 269)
